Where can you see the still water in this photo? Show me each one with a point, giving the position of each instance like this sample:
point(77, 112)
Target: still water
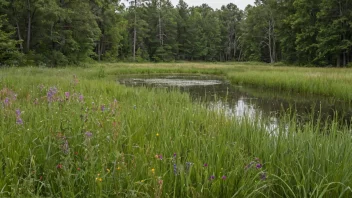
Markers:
point(242, 101)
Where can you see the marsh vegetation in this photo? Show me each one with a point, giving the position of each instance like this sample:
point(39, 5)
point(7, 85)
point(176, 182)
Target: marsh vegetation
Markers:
point(77, 132)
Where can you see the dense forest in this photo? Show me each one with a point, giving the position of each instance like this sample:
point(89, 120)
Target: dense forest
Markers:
point(62, 32)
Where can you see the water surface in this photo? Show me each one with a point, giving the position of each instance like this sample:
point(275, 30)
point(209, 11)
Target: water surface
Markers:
point(240, 101)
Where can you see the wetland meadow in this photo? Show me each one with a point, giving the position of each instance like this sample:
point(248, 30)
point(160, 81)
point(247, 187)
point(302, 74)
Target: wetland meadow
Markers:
point(175, 130)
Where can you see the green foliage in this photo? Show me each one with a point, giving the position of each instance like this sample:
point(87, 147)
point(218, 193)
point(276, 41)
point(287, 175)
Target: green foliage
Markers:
point(55, 33)
point(8, 53)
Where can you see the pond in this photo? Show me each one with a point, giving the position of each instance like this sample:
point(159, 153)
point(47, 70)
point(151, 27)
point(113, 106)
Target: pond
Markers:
point(243, 101)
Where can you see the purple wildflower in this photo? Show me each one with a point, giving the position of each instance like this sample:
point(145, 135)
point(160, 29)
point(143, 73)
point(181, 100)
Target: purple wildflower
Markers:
point(81, 98)
point(18, 113)
point(259, 166)
point(223, 177)
point(160, 157)
point(19, 121)
point(174, 158)
point(88, 134)
point(205, 165)
point(212, 177)
point(7, 101)
point(263, 176)
point(67, 95)
point(51, 93)
point(102, 107)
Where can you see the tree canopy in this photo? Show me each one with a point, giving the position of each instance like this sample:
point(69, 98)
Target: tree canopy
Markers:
point(62, 32)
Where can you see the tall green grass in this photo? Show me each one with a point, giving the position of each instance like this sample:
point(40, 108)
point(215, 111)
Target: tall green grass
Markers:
point(124, 142)
point(332, 82)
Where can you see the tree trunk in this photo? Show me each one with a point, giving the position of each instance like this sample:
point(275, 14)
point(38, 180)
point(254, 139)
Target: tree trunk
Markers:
point(338, 61)
point(269, 44)
point(274, 50)
point(19, 37)
point(101, 47)
point(239, 56)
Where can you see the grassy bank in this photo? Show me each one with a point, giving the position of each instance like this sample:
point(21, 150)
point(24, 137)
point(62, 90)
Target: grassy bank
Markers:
point(66, 136)
point(331, 82)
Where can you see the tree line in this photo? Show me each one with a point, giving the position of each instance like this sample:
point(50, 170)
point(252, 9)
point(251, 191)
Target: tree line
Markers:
point(62, 32)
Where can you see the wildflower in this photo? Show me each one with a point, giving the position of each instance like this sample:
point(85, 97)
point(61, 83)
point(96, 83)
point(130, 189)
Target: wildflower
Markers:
point(160, 157)
point(59, 166)
point(102, 107)
point(205, 165)
point(223, 177)
point(212, 177)
point(19, 121)
point(118, 168)
point(51, 93)
point(160, 182)
point(81, 98)
point(88, 134)
point(7, 101)
point(18, 113)
point(153, 171)
point(174, 158)
point(263, 176)
point(259, 166)
point(99, 179)
point(67, 95)
point(157, 135)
